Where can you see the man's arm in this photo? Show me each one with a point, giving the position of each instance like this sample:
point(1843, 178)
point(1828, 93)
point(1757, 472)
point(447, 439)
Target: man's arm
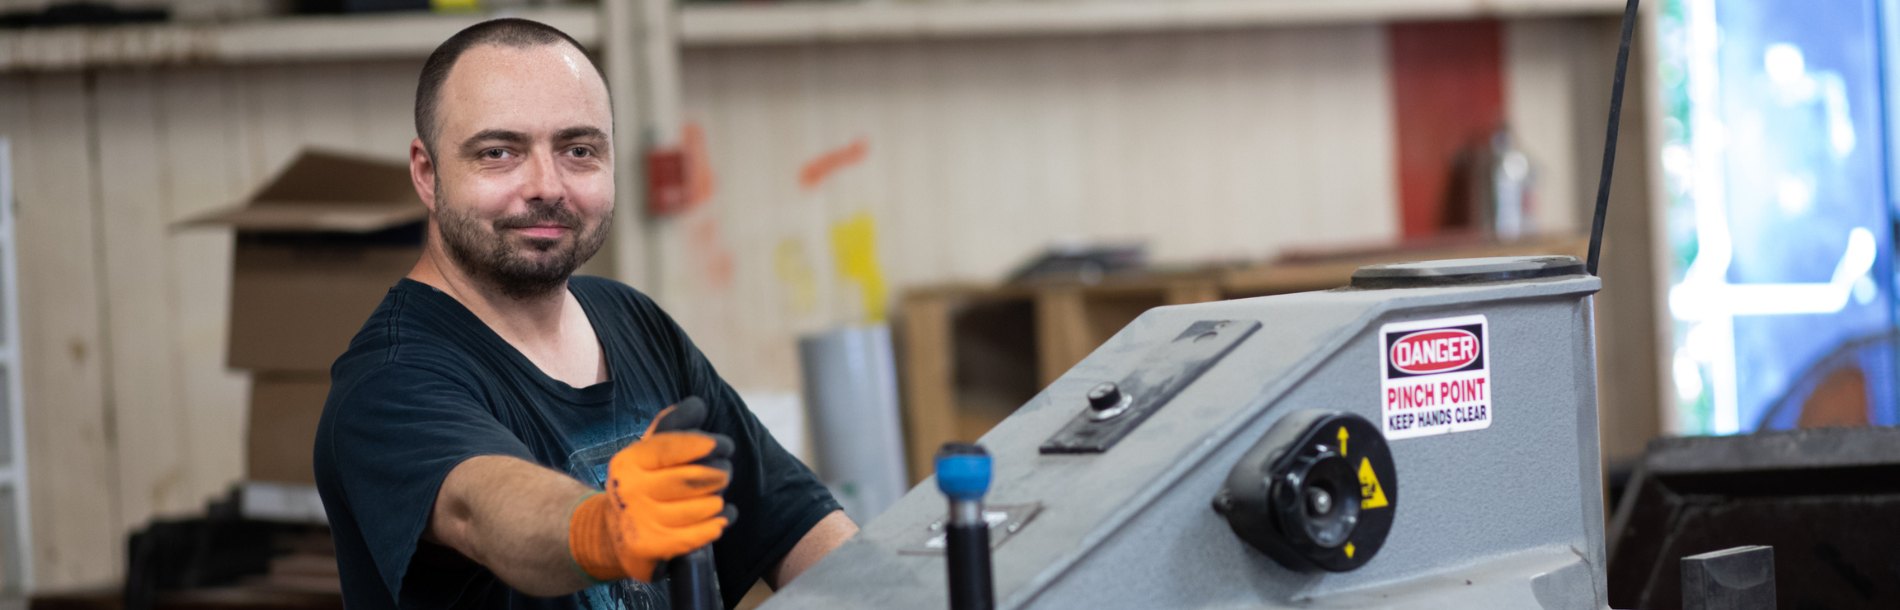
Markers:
point(828, 534)
point(511, 516)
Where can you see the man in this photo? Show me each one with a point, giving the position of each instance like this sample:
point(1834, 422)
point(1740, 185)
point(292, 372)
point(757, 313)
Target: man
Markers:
point(475, 419)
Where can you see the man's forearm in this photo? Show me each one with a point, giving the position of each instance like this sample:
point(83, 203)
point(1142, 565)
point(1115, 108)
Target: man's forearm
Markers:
point(821, 540)
point(512, 517)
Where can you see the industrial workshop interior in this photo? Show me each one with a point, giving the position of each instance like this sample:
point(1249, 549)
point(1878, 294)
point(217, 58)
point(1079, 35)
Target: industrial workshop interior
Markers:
point(965, 304)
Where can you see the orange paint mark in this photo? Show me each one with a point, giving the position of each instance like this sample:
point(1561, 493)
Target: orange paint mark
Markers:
point(708, 250)
point(818, 170)
point(719, 270)
point(705, 232)
point(699, 171)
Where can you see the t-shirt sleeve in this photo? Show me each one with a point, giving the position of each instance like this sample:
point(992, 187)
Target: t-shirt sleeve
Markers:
point(392, 435)
point(777, 496)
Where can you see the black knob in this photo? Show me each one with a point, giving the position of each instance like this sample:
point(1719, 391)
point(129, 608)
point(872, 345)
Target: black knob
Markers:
point(1105, 396)
point(1318, 492)
point(1310, 499)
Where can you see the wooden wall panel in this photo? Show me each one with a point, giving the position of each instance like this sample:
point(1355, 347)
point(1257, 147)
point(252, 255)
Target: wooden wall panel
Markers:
point(1550, 96)
point(1226, 144)
point(71, 435)
point(976, 155)
point(132, 310)
point(141, 315)
point(201, 153)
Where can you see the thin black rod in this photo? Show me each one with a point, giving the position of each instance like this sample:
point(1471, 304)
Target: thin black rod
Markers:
point(1609, 138)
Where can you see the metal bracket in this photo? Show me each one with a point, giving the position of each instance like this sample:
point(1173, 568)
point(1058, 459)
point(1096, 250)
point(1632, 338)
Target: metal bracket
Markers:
point(1164, 372)
point(1004, 519)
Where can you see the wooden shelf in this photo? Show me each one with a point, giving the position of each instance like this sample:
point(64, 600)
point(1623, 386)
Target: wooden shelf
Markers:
point(356, 37)
point(807, 22)
point(293, 39)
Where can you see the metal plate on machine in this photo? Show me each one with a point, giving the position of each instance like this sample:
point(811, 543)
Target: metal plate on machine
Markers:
point(1004, 520)
point(1112, 410)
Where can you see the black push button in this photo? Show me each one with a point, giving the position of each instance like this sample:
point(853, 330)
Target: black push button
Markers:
point(1105, 396)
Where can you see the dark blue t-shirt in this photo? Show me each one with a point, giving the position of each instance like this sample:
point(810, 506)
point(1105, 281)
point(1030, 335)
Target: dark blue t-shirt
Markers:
point(425, 385)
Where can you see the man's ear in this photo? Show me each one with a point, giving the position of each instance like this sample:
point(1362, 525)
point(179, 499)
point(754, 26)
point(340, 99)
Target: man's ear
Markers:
point(422, 173)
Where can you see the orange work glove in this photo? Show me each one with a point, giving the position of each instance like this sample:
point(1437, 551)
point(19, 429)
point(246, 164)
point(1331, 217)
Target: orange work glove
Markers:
point(662, 499)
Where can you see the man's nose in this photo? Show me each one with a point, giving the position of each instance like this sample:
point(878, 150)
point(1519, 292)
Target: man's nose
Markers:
point(542, 180)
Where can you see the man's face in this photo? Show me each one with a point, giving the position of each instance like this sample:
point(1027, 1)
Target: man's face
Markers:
point(524, 184)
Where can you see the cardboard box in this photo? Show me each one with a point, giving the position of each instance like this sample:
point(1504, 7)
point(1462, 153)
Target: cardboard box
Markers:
point(284, 412)
point(317, 249)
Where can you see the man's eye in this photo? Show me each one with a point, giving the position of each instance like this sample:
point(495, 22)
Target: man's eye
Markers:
point(495, 154)
point(580, 151)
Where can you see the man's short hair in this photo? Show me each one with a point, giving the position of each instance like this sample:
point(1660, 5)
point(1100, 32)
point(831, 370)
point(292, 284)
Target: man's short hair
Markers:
point(509, 32)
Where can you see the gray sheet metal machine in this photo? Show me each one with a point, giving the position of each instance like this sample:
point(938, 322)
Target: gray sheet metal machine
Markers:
point(1423, 438)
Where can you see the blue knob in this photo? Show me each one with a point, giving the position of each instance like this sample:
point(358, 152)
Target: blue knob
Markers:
point(963, 471)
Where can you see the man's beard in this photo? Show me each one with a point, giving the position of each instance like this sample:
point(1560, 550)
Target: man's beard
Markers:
point(489, 256)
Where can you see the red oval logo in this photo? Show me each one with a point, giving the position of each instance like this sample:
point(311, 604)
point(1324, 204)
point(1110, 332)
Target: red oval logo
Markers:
point(1434, 351)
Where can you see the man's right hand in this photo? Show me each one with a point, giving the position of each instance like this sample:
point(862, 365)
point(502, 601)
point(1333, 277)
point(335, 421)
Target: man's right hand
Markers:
point(662, 499)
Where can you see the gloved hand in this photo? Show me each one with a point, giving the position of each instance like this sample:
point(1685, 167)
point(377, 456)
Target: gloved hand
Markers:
point(662, 499)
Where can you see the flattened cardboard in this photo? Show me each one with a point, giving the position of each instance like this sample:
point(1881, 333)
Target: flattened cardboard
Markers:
point(325, 191)
point(314, 257)
point(306, 217)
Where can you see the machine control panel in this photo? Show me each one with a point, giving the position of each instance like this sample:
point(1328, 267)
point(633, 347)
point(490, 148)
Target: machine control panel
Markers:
point(1111, 410)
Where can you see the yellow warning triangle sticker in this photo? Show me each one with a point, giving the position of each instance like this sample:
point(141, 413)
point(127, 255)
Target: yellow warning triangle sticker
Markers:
point(1371, 494)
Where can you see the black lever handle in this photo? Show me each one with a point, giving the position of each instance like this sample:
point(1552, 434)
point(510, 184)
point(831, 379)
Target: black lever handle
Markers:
point(693, 584)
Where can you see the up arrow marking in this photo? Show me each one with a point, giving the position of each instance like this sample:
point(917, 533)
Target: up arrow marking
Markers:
point(1342, 440)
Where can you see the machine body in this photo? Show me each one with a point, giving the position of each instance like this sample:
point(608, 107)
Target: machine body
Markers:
point(1469, 384)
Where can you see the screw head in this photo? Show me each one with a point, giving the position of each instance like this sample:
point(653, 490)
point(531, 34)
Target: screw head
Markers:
point(1318, 502)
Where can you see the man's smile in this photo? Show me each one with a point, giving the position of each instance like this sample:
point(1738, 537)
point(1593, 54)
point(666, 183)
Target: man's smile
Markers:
point(544, 231)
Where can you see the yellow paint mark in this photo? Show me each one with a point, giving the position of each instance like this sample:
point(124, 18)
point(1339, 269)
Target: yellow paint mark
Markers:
point(1342, 440)
point(1349, 550)
point(455, 6)
point(854, 244)
point(1371, 494)
point(790, 263)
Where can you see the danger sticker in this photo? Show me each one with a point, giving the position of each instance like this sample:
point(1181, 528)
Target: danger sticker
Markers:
point(1437, 376)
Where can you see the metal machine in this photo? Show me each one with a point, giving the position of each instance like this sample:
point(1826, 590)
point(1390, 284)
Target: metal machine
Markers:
point(1424, 438)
